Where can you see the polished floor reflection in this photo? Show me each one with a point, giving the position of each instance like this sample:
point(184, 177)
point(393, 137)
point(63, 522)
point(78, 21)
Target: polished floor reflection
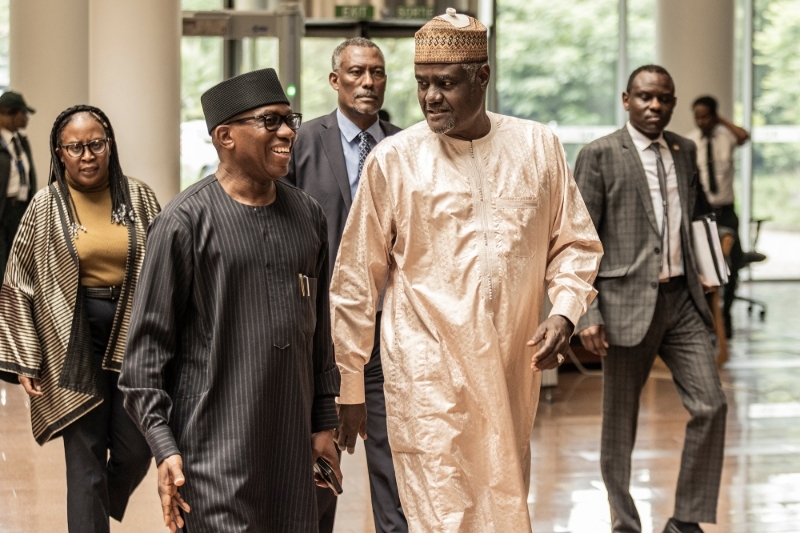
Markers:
point(761, 478)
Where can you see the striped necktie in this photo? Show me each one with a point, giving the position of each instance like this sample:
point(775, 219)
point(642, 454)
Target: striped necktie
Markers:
point(712, 175)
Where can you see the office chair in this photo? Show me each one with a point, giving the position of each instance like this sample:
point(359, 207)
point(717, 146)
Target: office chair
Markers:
point(749, 258)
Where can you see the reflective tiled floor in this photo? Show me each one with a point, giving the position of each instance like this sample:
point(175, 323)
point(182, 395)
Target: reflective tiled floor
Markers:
point(761, 479)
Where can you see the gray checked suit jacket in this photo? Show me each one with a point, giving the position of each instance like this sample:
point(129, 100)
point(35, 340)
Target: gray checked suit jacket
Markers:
point(318, 152)
point(611, 178)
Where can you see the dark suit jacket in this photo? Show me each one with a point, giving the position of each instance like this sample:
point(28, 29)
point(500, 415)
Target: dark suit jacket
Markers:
point(6, 160)
point(319, 169)
point(612, 181)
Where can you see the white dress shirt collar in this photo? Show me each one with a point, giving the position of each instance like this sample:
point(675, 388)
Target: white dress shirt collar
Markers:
point(642, 141)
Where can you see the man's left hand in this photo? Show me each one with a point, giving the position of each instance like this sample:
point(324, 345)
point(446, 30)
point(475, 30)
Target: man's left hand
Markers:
point(707, 287)
point(322, 445)
point(555, 331)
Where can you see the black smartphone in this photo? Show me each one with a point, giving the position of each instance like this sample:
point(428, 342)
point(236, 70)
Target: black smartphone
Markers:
point(325, 470)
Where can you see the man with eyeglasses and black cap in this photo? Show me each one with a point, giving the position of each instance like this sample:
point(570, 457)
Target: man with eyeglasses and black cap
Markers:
point(17, 175)
point(230, 371)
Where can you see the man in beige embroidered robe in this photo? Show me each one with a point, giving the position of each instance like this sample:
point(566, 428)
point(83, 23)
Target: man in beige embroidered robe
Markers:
point(469, 215)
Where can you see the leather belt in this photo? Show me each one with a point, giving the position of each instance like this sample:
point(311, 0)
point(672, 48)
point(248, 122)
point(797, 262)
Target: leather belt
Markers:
point(103, 293)
point(673, 283)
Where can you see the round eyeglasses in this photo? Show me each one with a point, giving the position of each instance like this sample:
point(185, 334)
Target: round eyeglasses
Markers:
point(96, 146)
point(273, 121)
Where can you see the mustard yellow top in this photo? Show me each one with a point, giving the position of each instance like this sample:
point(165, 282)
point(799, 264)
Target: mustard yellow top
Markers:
point(103, 247)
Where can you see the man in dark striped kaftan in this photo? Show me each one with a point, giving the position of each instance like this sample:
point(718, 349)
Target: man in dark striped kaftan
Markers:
point(230, 371)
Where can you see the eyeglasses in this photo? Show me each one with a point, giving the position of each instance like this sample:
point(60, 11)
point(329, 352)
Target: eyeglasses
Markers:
point(96, 146)
point(273, 121)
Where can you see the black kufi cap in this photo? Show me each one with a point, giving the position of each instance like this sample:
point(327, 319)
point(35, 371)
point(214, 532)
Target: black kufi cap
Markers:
point(238, 94)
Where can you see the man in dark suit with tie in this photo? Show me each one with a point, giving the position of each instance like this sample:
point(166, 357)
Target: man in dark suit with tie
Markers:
point(640, 186)
point(17, 175)
point(327, 159)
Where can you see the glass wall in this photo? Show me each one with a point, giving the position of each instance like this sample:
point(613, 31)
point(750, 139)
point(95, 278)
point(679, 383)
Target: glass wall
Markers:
point(201, 68)
point(776, 136)
point(319, 98)
point(401, 87)
point(557, 62)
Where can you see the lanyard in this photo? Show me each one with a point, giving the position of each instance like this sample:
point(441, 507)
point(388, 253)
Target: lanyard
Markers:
point(17, 159)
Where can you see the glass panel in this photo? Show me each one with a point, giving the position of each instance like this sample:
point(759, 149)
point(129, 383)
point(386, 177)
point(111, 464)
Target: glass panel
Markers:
point(557, 62)
point(261, 52)
point(776, 137)
point(318, 96)
point(641, 33)
point(201, 68)
point(401, 89)
point(201, 5)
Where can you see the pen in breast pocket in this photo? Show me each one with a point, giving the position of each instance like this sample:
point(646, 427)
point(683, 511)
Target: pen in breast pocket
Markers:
point(305, 285)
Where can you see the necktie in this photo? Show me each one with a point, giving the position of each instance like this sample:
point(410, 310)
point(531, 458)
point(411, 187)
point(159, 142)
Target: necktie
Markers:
point(18, 160)
point(364, 147)
point(712, 177)
point(662, 183)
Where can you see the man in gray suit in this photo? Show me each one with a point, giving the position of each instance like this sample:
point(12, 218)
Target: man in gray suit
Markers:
point(640, 186)
point(326, 163)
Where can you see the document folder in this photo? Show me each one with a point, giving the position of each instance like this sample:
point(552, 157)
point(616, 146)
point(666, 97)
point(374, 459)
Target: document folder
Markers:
point(708, 250)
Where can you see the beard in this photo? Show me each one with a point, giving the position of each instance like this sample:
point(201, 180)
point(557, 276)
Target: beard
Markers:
point(366, 109)
point(444, 128)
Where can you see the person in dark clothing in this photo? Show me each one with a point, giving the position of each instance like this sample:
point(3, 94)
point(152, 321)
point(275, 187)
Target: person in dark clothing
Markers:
point(17, 174)
point(326, 163)
point(716, 138)
point(230, 371)
point(64, 313)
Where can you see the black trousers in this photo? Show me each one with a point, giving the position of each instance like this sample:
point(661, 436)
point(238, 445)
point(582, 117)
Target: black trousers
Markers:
point(9, 223)
point(107, 457)
point(386, 510)
point(726, 217)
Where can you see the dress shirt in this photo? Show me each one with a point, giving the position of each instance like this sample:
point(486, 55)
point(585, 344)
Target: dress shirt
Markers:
point(671, 241)
point(13, 177)
point(349, 133)
point(724, 142)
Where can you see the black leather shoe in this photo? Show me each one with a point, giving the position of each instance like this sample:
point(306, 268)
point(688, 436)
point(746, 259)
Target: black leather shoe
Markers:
point(676, 526)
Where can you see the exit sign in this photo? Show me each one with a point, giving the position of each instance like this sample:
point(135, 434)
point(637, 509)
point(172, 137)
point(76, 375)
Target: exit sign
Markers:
point(415, 12)
point(360, 12)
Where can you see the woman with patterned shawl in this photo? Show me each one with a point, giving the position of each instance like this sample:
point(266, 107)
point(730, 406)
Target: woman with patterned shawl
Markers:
point(65, 305)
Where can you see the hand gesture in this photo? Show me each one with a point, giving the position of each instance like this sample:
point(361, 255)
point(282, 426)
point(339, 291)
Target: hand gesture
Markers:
point(593, 339)
point(33, 386)
point(555, 331)
point(352, 422)
point(170, 477)
point(707, 287)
